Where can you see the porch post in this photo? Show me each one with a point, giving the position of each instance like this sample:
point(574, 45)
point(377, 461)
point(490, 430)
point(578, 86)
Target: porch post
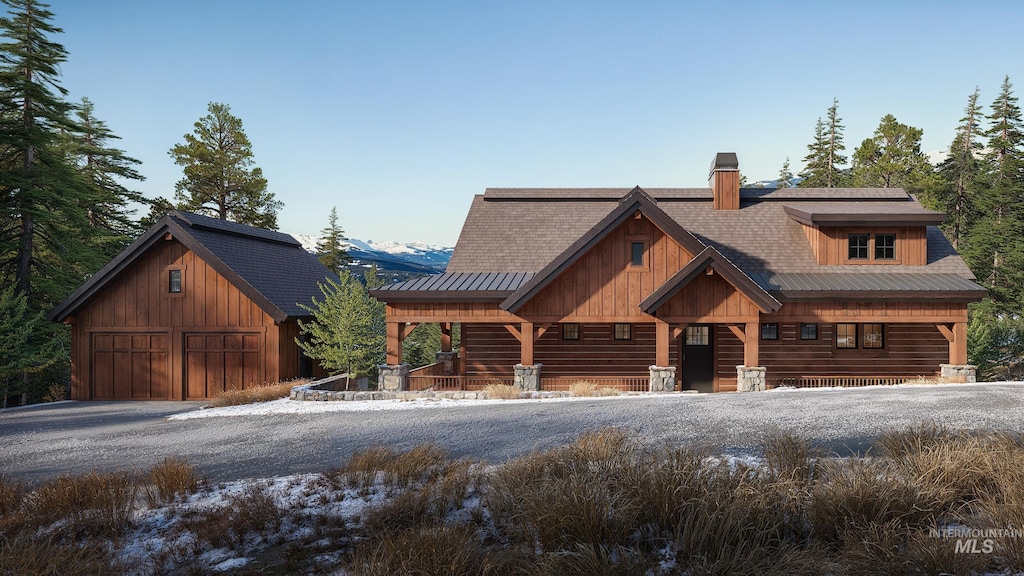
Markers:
point(526, 344)
point(661, 342)
point(958, 369)
point(750, 376)
point(750, 345)
point(394, 336)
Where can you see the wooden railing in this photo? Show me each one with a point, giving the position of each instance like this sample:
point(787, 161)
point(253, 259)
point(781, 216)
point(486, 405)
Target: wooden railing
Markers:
point(837, 381)
point(425, 382)
point(435, 369)
point(623, 383)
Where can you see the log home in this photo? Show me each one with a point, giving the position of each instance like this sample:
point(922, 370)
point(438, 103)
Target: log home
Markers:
point(707, 289)
point(194, 307)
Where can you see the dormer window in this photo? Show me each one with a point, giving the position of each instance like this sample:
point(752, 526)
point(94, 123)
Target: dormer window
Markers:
point(859, 246)
point(885, 246)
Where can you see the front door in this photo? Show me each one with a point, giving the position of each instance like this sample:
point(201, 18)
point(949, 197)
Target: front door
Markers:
point(698, 359)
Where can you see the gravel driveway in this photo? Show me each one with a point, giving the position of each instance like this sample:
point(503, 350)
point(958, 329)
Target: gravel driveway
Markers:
point(40, 442)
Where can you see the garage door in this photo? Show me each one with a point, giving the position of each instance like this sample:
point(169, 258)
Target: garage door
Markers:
point(222, 361)
point(130, 366)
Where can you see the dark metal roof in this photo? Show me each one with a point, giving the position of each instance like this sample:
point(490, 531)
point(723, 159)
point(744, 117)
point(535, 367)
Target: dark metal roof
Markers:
point(861, 213)
point(455, 286)
point(724, 161)
point(270, 268)
point(860, 285)
point(710, 257)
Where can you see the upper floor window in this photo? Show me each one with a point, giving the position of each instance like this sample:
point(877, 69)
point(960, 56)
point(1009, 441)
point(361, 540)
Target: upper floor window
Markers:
point(174, 281)
point(885, 246)
point(623, 332)
point(859, 246)
point(636, 254)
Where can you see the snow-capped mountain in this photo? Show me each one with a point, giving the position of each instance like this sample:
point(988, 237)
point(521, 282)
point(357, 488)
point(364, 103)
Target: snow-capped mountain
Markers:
point(390, 255)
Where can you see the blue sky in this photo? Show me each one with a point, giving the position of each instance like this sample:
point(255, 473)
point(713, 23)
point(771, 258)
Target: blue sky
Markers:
point(399, 112)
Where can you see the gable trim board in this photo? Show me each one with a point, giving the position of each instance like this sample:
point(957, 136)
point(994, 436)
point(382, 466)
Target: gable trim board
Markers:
point(232, 326)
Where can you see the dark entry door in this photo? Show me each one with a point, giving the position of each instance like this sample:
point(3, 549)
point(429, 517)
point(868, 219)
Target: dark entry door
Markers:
point(698, 359)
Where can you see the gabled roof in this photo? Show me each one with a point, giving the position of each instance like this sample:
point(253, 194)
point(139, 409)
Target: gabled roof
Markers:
point(636, 200)
point(271, 268)
point(859, 213)
point(710, 257)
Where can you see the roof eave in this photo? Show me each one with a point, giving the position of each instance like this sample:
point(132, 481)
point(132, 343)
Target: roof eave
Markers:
point(494, 296)
point(880, 295)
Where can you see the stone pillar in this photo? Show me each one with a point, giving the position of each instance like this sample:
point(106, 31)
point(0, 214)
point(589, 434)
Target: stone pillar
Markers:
point(663, 378)
point(447, 362)
point(750, 378)
point(959, 372)
point(527, 377)
point(393, 378)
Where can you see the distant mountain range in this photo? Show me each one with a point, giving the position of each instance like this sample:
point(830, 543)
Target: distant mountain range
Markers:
point(411, 259)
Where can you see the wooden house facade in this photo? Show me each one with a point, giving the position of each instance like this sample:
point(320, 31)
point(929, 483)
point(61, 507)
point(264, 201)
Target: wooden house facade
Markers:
point(194, 307)
point(708, 289)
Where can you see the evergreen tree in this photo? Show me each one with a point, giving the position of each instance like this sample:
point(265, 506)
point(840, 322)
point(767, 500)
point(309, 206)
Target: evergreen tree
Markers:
point(959, 173)
point(220, 179)
point(331, 248)
point(824, 159)
point(785, 175)
point(892, 158)
point(39, 191)
point(344, 334)
point(372, 277)
point(28, 343)
point(158, 208)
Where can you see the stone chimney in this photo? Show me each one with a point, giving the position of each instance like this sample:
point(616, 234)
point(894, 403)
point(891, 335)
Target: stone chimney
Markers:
point(724, 181)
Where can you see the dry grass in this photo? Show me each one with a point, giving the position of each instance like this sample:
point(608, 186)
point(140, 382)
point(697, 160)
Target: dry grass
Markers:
point(170, 479)
point(28, 554)
point(501, 392)
point(932, 380)
point(382, 465)
point(588, 388)
point(93, 504)
point(256, 394)
point(252, 512)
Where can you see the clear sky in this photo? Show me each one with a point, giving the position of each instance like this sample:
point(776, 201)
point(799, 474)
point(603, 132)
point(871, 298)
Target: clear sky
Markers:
point(399, 112)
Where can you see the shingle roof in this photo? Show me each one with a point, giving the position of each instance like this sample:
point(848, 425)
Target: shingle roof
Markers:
point(269, 267)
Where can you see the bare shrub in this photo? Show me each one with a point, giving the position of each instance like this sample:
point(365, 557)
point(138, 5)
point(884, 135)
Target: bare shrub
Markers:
point(250, 512)
point(582, 388)
point(432, 550)
point(501, 392)
point(264, 393)
point(423, 506)
point(88, 504)
point(44, 556)
point(171, 478)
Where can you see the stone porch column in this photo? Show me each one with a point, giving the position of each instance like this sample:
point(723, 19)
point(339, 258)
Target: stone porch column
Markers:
point(663, 378)
point(527, 377)
point(750, 378)
point(958, 372)
point(393, 377)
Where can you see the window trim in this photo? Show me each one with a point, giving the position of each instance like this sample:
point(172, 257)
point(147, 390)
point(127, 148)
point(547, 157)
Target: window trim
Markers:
point(855, 338)
point(877, 247)
point(577, 331)
point(864, 336)
point(866, 247)
point(803, 336)
point(632, 239)
point(628, 328)
point(766, 328)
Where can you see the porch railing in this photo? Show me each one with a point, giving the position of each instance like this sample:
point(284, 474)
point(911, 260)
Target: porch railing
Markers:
point(438, 383)
point(622, 383)
point(837, 381)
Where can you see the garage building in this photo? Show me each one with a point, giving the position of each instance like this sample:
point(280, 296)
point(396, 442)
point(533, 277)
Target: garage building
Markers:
point(194, 307)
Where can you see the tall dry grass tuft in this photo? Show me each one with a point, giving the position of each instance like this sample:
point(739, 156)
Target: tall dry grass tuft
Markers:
point(501, 392)
point(429, 504)
point(251, 512)
point(12, 492)
point(588, 388)
point(788, 456)
point(36, 555)
point(382, 465)
point(430, 550)
point(92, 504)
point(170, 479)
point(264, 393)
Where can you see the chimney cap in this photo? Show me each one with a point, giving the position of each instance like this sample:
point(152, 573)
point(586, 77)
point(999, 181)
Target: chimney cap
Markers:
point(724, 161)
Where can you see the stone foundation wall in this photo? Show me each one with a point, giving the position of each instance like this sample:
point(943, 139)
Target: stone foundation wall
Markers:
point(750, 378)
point(527, 377)
point(959, 372)
point(663, 378)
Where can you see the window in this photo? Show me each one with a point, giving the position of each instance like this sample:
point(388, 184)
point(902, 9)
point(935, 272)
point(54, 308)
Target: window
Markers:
point(697, 336)
point(636, 254)
point(174, 281)
point(846, 335)
point(570, 331)
point(873, 336)
point(623, 332)
point(808, 331)
point(859, 246)
point(885, 246)
point(769, 331)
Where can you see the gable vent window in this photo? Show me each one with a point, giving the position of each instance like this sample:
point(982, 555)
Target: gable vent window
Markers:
point(859, 246)
point(636, 251)
point(623, 332)
point(174, 281)
point(885, 246)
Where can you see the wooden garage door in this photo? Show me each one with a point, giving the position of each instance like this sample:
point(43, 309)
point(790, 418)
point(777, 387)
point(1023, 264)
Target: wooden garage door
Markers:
point(222, 361)
point(129, 366)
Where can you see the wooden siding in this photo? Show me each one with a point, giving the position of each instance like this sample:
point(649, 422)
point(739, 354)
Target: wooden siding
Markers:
point(137, 302)
point(489, 349)
point(885, 311)
point(726, 187)
point(448, 312)
point(831, 244)
point(603, 285)
point(708, 299)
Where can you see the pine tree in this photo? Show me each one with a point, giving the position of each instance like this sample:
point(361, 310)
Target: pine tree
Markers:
point(785, 175)
point(959, 173)
point(331, 248)
point(824, 160)
point(28, 343)
point(344, 334)
point(39, 191)
point(220, 179)
point(892, 158)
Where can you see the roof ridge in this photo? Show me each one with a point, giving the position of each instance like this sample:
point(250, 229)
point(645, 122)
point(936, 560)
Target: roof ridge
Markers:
point(200, 221)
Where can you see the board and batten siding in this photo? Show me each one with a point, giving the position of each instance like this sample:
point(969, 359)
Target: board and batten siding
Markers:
point(137, 301)
point(831, 244)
